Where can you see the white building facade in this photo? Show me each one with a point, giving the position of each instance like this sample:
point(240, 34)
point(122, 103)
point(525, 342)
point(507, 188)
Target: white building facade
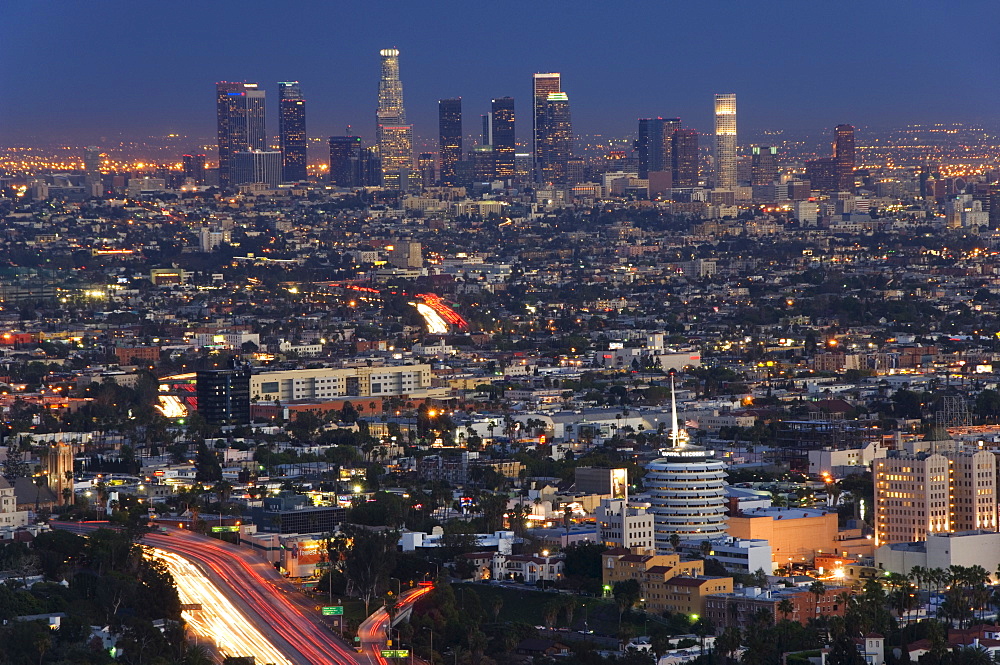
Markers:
point(686, 489)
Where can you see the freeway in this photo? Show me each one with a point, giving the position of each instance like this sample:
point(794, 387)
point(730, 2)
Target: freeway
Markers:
point(252, 585)
point(218, 619)
point(373, 630)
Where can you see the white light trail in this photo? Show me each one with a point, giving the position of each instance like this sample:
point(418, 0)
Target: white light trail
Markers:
point(218, 619)
point(171, 407)
point(435, 324)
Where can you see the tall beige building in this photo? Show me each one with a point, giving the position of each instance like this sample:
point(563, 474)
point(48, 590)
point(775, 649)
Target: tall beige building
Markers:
point(917, 493)
point(974, 479)
point(725, 141)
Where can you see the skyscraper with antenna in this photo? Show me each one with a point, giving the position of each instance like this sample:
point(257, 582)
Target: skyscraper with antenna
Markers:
point(686, 488)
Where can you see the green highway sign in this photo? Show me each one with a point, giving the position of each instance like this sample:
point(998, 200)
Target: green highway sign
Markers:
point(395, 653)
point(221, 529)
point(336, 610)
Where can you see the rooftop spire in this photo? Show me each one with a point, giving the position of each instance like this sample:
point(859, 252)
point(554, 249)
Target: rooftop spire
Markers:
point(674, 426)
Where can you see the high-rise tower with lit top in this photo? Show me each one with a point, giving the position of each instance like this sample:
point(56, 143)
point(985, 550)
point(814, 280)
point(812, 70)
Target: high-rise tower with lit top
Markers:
point(558, 146)
point(725, 141)
point(542, 85)
point(394, 136)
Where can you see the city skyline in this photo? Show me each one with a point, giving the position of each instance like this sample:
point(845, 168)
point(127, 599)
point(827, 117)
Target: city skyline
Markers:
point(873, 76)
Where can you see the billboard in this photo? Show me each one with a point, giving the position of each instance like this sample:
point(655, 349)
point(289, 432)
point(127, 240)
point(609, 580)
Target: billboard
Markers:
point(619, 483)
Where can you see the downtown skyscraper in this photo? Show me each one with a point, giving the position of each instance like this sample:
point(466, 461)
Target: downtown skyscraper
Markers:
point(557, 148)
point(450, 138)
point(292, 131)
point(393, 135)
point(655, 144)
point(684, 158)
point(725, 141)
point(240, 118)
point(843, 155)
point(502, 137)
point(763, 165)
point(345, 161)
point(836, 173)
point(542, 85)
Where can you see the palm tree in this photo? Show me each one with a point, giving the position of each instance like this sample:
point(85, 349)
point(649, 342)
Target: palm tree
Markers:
point(549, 613)
point(497, 605)
point(786, 608)
point(919, 575)
point(834, 491)
point(196, 654)
point(729, 641)
point(817, 589)
point(904, 599)
point(971, 655)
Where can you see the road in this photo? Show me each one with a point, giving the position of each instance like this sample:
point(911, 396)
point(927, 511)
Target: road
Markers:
point(372, 630)
point(218, 619)
point(263, 597)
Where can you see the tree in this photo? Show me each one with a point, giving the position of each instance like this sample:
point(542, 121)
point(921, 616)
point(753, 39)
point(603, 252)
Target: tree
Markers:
point(660, 643)
point(817, 589)
point(786, 608)
point(14, 466)
point(550, 611)
point(970, 655)
point(371, 557)
point(583, 566)
point(496, 605)
point(626, 594)
point(493, 507)
point(844, 652)
point(348, 414)
point(305, 425)
point(207, 465)
point(728, 642)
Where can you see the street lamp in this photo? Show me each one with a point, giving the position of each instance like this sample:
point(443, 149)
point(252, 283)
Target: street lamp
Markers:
point(431, 631)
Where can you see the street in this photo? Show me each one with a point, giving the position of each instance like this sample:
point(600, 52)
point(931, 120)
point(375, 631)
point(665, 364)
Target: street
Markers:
point(262, 597)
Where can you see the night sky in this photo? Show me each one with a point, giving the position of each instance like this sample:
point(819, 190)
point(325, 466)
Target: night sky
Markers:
point(75, 70)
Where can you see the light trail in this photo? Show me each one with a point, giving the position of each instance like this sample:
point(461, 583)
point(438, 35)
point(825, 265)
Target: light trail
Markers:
point(218, 619)
point(267, 600)
point(435, 324)
point(434, 301)
point(373, 630)
point(171, 407)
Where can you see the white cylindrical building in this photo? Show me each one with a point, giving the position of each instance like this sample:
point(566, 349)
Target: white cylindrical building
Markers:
point(686, 489)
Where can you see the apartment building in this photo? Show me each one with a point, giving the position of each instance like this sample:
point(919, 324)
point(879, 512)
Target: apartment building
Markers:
point(942, 489)
point(667, 584)
point(739, 609)
point(621, 523)
point(333, 382)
